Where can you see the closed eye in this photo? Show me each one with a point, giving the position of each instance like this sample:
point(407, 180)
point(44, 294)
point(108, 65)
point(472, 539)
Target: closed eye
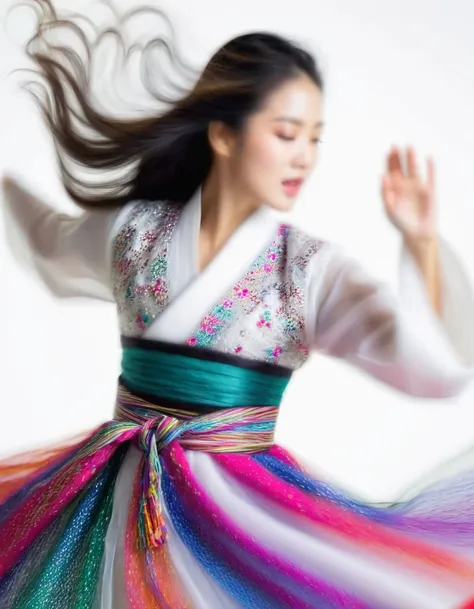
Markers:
point(289, 139)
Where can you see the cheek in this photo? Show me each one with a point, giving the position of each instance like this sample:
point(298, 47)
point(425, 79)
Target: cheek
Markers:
point(265, 155)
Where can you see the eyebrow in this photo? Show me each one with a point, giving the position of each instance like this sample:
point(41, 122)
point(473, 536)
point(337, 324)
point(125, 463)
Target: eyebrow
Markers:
point(295, 121)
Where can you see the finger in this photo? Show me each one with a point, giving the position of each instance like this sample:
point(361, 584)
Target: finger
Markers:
point(412, 165)
point(431, 174)
point(394, 161)
point(388, 194)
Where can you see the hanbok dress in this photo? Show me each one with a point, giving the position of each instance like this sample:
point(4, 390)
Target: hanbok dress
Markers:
point(183, 500)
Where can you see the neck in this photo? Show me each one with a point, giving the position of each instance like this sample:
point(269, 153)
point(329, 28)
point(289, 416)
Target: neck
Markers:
point(224, 207)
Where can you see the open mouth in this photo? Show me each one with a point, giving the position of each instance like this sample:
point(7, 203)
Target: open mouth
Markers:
point(292, 187)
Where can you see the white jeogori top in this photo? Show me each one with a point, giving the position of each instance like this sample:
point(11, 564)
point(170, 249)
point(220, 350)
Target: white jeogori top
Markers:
point(273, 293)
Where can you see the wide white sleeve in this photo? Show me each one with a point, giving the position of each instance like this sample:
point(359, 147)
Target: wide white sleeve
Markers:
point(399, 339)
point(70, 255)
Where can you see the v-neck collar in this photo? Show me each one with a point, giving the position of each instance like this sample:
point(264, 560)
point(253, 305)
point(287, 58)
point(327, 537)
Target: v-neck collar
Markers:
point(194, 293)
point(193, 215)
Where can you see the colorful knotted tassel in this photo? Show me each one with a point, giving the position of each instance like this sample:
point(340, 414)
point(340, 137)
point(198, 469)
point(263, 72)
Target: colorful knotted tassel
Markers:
point(232, 430)
point(152, 531)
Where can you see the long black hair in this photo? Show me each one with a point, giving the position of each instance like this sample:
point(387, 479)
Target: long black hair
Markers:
point(165, 154)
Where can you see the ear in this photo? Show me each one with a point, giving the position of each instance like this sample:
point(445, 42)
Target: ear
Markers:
point(221, 138)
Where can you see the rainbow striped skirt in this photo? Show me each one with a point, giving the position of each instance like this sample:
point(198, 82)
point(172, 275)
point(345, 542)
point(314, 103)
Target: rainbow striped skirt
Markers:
point(184, 501)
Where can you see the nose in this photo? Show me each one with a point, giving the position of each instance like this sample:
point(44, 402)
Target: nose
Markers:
point(305, 156)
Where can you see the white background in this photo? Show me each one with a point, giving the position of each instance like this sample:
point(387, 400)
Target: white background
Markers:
point(396, 73)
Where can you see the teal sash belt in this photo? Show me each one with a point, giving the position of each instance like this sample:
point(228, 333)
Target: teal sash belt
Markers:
point(199, 379)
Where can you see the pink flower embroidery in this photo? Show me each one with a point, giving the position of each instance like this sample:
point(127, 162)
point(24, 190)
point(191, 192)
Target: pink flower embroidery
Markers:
point(242, 293)
point(192, 341)
point(140, 290)
point(150, 235)
point(209, 324)
point(238, 349)
point(159, 286)
point(303, 349)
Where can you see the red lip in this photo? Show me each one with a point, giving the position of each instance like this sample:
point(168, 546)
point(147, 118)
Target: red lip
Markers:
point(292, 187)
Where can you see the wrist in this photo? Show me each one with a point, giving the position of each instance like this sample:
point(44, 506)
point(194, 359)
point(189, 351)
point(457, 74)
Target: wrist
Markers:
point(425, 253)
point(421, 245)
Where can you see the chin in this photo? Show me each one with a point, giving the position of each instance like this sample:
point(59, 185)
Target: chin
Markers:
point(283, 204)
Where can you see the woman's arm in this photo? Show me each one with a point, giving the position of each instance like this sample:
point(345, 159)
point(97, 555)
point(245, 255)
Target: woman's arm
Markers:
point(400, 340)
point(410, 205)
point(425, 253)
point(71, 255)
point(421, 342)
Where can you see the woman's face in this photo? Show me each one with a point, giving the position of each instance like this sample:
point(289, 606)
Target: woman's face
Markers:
point(278, 147)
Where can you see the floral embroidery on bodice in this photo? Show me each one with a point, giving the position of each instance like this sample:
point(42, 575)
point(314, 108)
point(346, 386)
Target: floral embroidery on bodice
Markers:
point(140, 264)
point(262, 317)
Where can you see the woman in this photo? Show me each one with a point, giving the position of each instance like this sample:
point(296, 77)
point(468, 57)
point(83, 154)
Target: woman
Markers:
point(183, 500)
